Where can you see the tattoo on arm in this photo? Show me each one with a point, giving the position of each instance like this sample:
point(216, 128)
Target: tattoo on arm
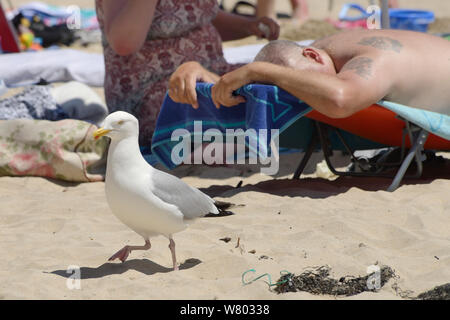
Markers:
point(362, 66)
point(382, 43)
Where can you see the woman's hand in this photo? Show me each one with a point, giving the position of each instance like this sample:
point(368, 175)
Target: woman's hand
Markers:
point(183, 81)
point(264, 27)
point(233, 27)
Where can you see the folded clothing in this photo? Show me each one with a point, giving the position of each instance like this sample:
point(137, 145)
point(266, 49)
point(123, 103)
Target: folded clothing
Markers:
point(34, 102)
point(72, 100)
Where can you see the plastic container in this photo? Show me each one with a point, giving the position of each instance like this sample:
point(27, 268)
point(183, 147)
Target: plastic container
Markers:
point(416, 20)
point(344, 14)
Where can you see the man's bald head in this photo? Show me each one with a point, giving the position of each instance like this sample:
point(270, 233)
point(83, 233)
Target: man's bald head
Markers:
point(281, 52)
point(292, 55)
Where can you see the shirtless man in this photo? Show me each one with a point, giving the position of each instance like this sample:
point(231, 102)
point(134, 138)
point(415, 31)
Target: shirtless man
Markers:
point(341, 74)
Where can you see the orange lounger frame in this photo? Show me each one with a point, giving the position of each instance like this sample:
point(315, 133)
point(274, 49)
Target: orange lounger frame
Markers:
point(380, 125)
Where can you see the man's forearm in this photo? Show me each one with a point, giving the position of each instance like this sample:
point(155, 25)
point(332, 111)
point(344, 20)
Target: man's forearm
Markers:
point(325, 93)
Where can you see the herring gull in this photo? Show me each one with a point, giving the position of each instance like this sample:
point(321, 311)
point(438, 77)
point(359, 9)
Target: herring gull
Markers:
point(147, 200)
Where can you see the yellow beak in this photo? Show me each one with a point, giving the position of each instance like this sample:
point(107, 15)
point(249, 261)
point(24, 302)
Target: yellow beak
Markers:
point(100, 132)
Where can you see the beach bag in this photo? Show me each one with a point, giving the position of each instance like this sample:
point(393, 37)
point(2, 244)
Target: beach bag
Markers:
point(64, 150)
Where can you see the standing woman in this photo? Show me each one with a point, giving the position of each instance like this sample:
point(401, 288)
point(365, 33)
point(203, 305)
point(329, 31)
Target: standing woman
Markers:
point(144, 42)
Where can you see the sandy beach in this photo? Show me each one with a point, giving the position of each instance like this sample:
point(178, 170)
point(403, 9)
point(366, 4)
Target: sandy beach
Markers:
point(279, 224)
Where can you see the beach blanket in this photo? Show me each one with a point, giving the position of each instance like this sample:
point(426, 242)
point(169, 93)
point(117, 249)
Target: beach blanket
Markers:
point(35, 102)
point(58, 65)
point(266, 107)
point(62, 149)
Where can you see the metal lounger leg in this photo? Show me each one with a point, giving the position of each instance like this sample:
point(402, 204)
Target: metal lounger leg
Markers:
point(312, 145)
point(415, 152)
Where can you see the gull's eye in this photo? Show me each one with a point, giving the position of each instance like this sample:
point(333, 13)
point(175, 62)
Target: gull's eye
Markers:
point(120, 122)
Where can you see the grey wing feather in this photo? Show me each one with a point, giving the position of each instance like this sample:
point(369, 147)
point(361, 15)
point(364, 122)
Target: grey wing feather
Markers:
point(190, 201)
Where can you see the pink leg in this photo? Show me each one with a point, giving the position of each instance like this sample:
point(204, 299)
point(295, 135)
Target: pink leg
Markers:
point(266, 8)
point(300, 10)
point(172, 250)
point(393, 3)
point(123, 253)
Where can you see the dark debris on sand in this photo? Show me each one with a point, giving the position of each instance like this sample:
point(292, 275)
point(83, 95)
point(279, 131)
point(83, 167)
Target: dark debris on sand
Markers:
point(318, 281)
point(438, 293)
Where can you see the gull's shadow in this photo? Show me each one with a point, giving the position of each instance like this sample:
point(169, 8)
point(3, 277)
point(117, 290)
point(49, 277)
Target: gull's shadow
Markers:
point(144, 266)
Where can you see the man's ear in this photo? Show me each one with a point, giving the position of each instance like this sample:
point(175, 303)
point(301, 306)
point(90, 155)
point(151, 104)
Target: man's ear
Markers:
point(311, 53)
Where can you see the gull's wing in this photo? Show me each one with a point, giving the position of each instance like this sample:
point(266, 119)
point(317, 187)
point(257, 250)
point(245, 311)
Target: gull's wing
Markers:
point(190, 201)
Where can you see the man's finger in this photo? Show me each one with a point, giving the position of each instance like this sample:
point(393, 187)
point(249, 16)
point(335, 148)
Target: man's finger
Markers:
point(233, 101)
point(180, 90)
point(214, 96)
point(173, 91)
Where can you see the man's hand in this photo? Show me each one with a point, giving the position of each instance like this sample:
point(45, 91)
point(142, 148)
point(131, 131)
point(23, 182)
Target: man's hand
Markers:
point(183, 81)
point(222, 91)
point(264, 27)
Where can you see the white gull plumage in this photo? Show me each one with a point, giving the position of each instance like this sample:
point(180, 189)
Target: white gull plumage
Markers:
point(147, 200)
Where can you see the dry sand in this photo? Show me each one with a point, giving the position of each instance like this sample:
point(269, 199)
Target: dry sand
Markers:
point(347, 224)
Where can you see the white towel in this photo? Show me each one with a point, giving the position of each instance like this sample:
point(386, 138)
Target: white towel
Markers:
point(59, 65)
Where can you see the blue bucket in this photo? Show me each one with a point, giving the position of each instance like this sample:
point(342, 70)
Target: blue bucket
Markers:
point(416, 20)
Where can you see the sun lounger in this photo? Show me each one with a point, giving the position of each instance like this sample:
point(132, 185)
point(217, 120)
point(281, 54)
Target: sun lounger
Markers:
point(390, 124)
point(269, 107)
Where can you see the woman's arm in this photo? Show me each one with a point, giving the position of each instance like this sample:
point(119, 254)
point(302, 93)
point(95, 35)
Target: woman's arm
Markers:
point(127, 23)
point(233, 27)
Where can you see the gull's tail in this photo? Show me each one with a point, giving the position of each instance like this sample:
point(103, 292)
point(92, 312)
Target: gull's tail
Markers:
point(223, 207)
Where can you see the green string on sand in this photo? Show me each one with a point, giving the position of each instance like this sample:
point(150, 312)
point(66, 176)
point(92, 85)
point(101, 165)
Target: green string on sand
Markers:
point(269, 283)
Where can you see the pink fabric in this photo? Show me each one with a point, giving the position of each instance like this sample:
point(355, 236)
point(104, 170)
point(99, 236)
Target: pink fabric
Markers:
point(64, 149)
point(181, 31)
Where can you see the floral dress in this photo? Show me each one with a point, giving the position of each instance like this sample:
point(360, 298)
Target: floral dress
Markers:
point(181, 31)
